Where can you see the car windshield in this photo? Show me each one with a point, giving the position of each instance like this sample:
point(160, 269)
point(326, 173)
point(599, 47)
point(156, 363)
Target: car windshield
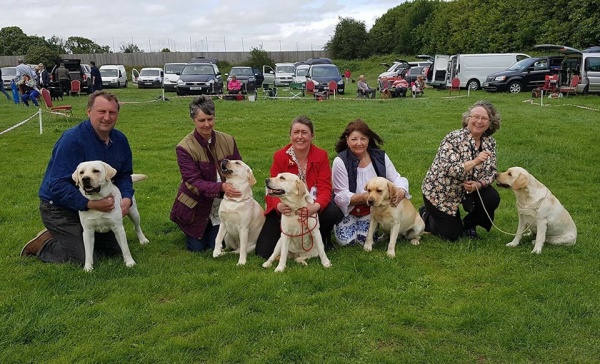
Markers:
point(325, 72)
point(109, 72)
point(521, 65)
point(174, 68)
point(301, 71)
point(9, 71)
point(285, 69)
point(396, 67)
point(241, 72)
point(198, 69)
point(150, 73)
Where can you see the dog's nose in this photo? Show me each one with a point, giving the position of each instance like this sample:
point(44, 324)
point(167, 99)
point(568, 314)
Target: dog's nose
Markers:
point(224, 163)
point(85, 179)
point(267, 181)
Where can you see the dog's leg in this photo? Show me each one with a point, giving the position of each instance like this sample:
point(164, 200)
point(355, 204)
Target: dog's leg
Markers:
point(122, 240)
point(321, 248)
point(540, 236)
point(276, 253)
point(414, 234)
point(134, 215)
point(519, 234)
point(243, 245)
point(217, 251)
point(372, 229)
point(391, 250)
point(285, 249)
point(88, 247)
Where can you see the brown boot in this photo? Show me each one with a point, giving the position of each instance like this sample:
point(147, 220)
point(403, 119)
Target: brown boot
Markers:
point(35, 245)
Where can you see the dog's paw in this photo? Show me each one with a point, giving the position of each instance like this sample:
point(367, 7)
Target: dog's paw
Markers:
point(241, 262)
point(88, 268)
point(368, 247)
point(391, 254)
point(130, 263)
point(536, 250)
point(279, 269)
point(326, 264)
point(144, 241)
point(266, 264)
point(415, 241)
point(217, 253)
point(512, 244)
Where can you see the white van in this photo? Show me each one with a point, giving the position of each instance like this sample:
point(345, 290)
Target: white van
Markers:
point(584, 63)
point(283, 74)
point(113, 75)
point(437, 72)
point(472, 69)
point(150, 77)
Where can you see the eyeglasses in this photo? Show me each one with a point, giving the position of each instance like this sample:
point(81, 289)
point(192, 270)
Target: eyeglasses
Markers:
point(479, 117)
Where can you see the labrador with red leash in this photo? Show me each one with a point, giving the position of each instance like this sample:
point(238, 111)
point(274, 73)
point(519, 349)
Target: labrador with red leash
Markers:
point(94, 181)
point(300, 236)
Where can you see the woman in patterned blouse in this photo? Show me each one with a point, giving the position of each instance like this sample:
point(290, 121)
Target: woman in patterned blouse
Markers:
point(463, 171)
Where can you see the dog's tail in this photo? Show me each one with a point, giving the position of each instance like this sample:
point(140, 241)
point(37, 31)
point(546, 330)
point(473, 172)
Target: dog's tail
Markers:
point(138, 177)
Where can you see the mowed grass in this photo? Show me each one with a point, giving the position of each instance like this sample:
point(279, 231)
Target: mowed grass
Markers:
point(439, 302)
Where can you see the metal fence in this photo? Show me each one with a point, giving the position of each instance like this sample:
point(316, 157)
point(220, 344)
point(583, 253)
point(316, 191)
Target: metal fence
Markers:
point(149, 59)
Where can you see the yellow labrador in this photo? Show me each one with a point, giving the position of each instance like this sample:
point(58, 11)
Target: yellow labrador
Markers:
point(300, 236)
point(538, 210)
point(241, 218)
point(402, 219)
point(94, 181)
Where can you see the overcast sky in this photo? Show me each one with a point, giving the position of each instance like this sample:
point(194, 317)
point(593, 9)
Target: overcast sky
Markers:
point(192, 25)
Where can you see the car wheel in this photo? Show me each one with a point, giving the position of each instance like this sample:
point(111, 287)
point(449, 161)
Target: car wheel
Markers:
point(473, 85)
point(118, 84)
point(586, 90)
point(125, 85)
point(515, 87)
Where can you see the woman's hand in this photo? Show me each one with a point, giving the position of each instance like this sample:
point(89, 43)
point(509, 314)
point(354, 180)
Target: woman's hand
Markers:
point(400, 194)
point(472, 186)
point(230, 191)
point(482, 157)
point(284, 209)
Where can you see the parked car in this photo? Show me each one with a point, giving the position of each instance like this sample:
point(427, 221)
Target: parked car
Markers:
point(301, 72)
point(200, 78)
point(473, 69)
point(172, 73)
point(411, 74)
point(585, 64)
point(284, 73)
point(395, 69)
point(150, 77)
point(8, 74)
point(113, 75)
point(526, 74)
point(323, 73)
point(245, 75)
point(78, 71)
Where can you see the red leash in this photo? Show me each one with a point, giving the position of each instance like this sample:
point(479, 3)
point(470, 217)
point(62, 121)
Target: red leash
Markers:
point(303, 219)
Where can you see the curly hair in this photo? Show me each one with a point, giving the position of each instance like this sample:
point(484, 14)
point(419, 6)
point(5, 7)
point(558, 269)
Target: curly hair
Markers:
point(360, 126)
point(495, 119)
point(202, 103)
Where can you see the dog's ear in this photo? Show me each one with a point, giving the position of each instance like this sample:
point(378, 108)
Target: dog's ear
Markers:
point(251, 178)
point(75, 177)
point(521, 182)
point(391, 189)
point(110, 171)
point(301, 188)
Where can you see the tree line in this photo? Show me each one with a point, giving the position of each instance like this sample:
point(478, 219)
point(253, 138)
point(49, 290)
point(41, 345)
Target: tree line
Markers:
point(469, 26)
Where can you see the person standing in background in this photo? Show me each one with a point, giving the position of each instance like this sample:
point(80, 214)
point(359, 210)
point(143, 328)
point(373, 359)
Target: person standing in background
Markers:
point(96, 77)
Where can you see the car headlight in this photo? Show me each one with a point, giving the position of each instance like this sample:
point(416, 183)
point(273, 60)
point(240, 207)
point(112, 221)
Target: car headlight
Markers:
point(180, 82)
point(500, 78)
point(340, 82)
point(211, 81)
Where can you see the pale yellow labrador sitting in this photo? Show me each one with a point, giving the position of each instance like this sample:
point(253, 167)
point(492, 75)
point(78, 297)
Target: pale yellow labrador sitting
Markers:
point(242, 217)
point(300, 236)
point(539, 211)
point(399, 220)
point(94, 179)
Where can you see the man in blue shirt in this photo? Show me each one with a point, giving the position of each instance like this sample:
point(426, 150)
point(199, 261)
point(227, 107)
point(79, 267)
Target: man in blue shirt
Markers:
point(61, 200)
point(96, 77)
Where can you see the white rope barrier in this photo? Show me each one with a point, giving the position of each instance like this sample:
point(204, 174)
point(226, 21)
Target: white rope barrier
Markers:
point(39, 113)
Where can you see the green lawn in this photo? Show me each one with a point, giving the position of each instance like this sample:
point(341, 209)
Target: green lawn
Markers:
point(465, 302)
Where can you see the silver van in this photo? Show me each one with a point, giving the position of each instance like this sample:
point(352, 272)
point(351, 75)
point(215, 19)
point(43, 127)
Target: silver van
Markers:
point(473, 69)
point(584, 63)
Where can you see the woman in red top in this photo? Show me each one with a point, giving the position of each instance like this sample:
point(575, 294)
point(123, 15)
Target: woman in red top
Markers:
point(311, 164)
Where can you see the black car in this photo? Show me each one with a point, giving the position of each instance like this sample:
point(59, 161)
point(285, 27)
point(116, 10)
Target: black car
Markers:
point(411, 74)
point(526, 74)
point(200, 78)
point(252, 77)
point(323, 73)
point(78, 71)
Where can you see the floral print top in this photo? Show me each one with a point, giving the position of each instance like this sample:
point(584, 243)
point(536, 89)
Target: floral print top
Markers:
point(442, 185)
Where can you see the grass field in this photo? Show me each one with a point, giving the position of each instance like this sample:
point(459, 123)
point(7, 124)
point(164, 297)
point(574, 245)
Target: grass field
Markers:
point(465, 302)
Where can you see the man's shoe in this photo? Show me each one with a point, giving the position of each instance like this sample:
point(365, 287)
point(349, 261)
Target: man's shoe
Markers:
point(35, 245)
point(471, 233)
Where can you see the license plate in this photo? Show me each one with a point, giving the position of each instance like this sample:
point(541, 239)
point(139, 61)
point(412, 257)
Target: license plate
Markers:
point(147, 83)
point(195, 88)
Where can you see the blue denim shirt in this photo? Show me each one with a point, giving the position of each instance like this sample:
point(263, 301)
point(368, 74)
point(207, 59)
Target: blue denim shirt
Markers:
point(81, 144)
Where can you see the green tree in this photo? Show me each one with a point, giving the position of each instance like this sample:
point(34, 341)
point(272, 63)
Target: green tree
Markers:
point(42, 54)
point(259, 58)
point(80, 45)
point(13, 42)
point(165, 50)
point(349, 40)
point(130, 48)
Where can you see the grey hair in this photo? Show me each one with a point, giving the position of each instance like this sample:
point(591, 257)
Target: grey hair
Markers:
point(495, 119)
point(202, 103)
